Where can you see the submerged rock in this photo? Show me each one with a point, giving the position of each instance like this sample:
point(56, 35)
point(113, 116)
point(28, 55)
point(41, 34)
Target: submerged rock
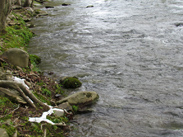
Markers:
point(47, 7)
point(81, 98)
point(17, 57)
point(65, 4)
point(90, 6)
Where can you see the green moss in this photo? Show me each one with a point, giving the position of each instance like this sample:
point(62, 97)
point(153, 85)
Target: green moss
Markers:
point(71, 82)
point(75, 108)
point(58, 119)
point(46, 91)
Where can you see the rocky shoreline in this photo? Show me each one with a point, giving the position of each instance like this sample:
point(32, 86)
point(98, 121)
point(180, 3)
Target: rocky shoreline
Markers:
point(25, 90)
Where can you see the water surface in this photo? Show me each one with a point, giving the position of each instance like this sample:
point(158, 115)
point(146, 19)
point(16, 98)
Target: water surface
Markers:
point(130, 52)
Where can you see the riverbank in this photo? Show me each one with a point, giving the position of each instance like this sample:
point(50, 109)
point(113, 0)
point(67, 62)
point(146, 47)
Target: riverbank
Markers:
point(26, 93)
point(14, 116)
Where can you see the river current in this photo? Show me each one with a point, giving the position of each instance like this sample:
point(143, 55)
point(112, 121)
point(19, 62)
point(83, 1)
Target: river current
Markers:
point(129, 51)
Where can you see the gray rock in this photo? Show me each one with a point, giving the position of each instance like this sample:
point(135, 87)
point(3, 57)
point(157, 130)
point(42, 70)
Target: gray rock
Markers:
point(17, 57)
point(42, 13)
point(66, 106)
point(90, 6)
point(3, 133)
point(81, 98)
point(58, 113)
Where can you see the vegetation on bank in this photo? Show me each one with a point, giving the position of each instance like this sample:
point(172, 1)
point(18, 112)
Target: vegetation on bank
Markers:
point(17, 36)
point(13, 116)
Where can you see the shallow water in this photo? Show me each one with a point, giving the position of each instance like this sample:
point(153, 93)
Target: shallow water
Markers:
point(130, 52)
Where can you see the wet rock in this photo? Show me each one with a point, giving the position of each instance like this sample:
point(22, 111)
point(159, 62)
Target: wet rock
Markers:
point(90, 6)
point(81, 98)
point(50, 73)
point(70, 82)
point(57, 95)
point(179, 24)
point(3, 132)
point(26, 19)
point(17, 57)
point(65, 4)
point(42, 13)
point(49, 7)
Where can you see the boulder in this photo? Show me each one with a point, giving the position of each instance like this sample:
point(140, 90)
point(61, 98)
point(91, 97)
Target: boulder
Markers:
point(70, 82)
point(17, 57)
point(81, 98)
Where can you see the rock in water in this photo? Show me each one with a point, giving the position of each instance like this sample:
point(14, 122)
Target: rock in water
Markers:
point(17, 57)
point(70, 82)
point(81, 98)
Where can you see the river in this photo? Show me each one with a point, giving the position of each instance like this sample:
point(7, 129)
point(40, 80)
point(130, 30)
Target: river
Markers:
point(129, 51)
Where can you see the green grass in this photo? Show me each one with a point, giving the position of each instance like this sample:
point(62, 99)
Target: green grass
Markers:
point(17, 36)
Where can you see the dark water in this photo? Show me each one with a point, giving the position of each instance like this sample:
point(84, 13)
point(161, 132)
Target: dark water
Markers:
point(130, 52)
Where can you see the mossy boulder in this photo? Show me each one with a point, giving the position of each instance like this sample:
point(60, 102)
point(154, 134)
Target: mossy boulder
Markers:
point(70, 82)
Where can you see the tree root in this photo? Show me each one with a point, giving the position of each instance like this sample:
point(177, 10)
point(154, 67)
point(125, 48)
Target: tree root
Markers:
point(28, 96)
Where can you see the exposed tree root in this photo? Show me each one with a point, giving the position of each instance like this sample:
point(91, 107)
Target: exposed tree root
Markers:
point(7, 85)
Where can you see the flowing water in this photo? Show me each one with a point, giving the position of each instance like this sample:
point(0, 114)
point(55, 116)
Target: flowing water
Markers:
point(130, 52)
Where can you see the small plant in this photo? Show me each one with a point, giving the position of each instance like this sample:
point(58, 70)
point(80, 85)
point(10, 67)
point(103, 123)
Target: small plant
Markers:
point(57, 119)
point(58, 89)
point(75, 108)
point(46, 91)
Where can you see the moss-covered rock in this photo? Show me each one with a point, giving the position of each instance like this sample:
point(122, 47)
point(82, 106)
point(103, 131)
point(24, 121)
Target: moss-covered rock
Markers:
point(70, 82)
